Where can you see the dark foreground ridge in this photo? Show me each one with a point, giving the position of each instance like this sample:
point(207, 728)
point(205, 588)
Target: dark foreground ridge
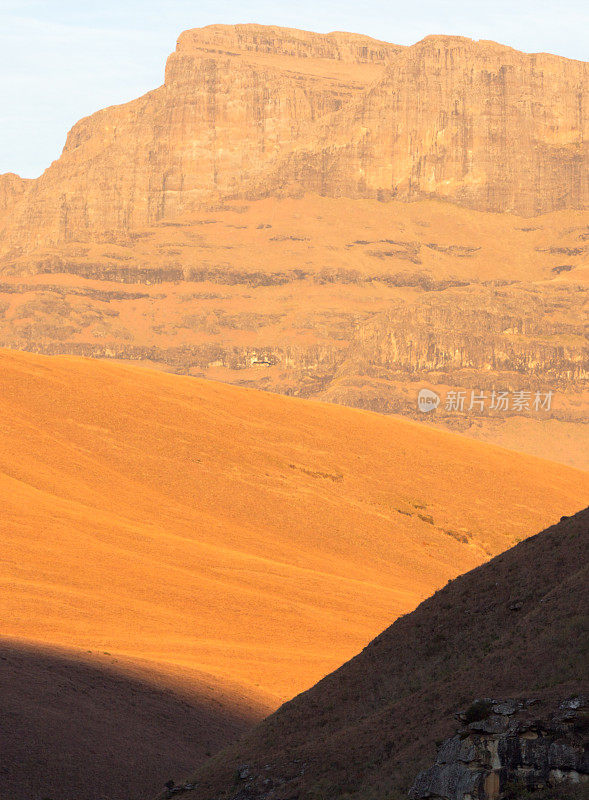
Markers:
point(515, 628)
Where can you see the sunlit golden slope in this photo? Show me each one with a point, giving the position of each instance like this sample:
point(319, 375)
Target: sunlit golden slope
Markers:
point(259, 538)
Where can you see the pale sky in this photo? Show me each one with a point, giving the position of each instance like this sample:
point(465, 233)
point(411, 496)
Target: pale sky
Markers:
point(64, 59)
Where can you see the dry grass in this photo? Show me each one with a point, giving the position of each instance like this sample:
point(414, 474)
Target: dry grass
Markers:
point(367, 729)
point(233, 544)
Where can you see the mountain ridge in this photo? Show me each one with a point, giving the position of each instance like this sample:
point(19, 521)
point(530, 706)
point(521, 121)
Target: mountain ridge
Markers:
point(471, 122)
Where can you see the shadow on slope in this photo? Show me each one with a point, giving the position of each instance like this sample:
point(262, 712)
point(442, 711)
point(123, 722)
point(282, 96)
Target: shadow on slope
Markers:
point(74, 727)
point(513, 627)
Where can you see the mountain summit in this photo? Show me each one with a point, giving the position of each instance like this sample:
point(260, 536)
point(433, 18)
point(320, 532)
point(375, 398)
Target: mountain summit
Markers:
point(251, 111)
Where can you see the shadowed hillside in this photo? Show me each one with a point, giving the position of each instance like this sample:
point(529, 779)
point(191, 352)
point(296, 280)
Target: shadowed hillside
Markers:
point(92, 726)
point(515, 627)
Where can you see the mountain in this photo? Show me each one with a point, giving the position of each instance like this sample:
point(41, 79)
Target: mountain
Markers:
point(203, 552)
point(512, 628)
point(252, 111)
point(248, 221)
point(340, 222)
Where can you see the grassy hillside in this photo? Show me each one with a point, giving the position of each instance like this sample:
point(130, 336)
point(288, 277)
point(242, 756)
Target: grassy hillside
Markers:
point(515, 627)
point(228, 545)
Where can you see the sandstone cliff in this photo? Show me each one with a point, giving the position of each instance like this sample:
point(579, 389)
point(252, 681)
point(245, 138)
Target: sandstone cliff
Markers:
point(11, 188)
point(472, 122)
point(233, 100)
point(253, 111)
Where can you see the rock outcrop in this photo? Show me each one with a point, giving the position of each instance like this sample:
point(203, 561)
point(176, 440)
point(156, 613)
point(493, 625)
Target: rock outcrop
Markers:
point(252, 111)
point(504, 747)
point(11, 188)
point(472, 122)
point(475, 338)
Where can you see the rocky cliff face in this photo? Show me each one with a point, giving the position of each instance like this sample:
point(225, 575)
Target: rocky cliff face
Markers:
point(472, 122)
point(12, 187)
point(234, 99)
point(473, 337)
point(504, 749)
point(252, 111)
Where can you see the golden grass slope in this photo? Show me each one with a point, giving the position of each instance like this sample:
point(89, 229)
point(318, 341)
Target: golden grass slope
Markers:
point(258, 538)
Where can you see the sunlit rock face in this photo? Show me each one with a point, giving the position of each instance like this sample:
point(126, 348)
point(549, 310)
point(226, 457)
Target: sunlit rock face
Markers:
point(253, 111)
point(234, 100)
point(472, 122)
point(11, 188)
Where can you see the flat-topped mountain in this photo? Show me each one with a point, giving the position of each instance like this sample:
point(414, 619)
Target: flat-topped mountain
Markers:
point(247, 221)
point(250, 111)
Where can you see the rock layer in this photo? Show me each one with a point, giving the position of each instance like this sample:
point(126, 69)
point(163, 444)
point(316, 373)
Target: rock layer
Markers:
point(228, 224)
point(233, 100)
point(352, 301)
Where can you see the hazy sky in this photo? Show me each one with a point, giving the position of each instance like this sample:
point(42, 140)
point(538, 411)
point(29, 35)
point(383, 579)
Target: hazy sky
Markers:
point(63, 59)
